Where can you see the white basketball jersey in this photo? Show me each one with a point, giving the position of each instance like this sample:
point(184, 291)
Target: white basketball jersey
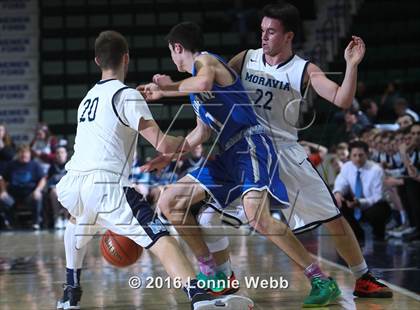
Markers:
point(275, 92)
point(107, 128)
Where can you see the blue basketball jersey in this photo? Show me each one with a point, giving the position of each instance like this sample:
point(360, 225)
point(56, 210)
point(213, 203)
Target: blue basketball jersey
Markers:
point(226, 109)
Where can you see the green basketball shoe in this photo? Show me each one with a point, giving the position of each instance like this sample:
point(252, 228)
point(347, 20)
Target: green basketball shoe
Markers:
point(323, 292)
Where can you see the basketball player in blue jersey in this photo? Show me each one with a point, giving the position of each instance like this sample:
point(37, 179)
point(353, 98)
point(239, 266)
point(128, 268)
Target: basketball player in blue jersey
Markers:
point(246, 167)
point(96, 190)
point(276, 79)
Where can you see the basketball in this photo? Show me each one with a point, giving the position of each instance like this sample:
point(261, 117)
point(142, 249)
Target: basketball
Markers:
point(118, 250)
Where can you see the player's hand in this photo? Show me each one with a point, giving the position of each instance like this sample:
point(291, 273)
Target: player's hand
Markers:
point(355, 51)
point(157, 163)
point(162, 80)
point(150, 92)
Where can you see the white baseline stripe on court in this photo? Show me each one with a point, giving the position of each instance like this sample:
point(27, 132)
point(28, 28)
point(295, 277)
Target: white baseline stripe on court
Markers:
point(396, 288)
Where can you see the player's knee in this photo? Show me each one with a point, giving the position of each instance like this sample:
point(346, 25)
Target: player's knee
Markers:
point(167, 202)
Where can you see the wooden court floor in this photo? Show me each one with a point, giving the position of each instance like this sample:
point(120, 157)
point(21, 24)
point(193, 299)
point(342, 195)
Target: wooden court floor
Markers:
point(37, 265)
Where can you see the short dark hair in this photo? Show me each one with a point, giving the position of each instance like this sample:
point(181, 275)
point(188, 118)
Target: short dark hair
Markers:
point(60, 146)
point(110, 47)
point(286, 13)
point(413, 125)
point(188, 34)
point(406, 130)
point(359, 145)
point(366, 104)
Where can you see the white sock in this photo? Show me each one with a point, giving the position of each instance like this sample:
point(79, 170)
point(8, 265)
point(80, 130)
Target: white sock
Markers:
point(226, 268)
point(359, 270)
point(74, 257)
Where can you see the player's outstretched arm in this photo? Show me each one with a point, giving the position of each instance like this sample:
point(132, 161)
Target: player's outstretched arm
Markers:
point(342, 96)
point(153, 92)
point(160, 141)
point(205, 66)
point(163, 86)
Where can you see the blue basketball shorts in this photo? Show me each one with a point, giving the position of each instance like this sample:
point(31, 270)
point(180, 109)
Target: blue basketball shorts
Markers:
point(250, 164)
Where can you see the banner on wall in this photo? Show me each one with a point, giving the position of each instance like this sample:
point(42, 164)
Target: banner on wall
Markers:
point(19, 69)
point(18, 92)
point(18, 47)
point(18, 6)
point(18, 25)
point(20, 121)
point(19, 74)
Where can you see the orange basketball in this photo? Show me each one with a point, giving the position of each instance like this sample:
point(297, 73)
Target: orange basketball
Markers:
point(118, 250)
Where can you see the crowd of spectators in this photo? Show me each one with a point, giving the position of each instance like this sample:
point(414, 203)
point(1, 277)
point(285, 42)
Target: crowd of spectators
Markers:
point(373, 171)
point(28, 175)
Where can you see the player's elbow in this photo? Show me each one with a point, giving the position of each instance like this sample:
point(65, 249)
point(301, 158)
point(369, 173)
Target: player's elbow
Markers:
point(344, 103)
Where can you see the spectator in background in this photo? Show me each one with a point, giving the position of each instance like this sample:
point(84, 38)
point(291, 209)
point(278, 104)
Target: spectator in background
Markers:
point(26, 180)
point(316, 152)
point(394, 169)
point(6, 204)
point(392, 92)
point(55, 173)
point(351, 128)
point(7, 152)
point(342, 153)
point(7, 148)
point(385, 157)
point(405, 121)
point(401, 109)
point(410, 154)
point(370, 110)
point(358, 190)
point(332, 163)
point(42, 146)
point(376, 147)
